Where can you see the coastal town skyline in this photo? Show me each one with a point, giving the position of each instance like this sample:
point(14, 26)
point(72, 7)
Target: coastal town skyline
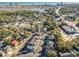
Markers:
point(35, 3)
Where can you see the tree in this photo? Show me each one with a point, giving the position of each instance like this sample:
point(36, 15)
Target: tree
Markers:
point(77, 54)
point(6, 42)
point(51, 53)
point(74, 43)
point(15, 35)
point(61, 46)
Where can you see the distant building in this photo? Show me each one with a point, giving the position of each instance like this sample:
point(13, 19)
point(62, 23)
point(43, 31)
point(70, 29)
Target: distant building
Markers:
point(60, 4)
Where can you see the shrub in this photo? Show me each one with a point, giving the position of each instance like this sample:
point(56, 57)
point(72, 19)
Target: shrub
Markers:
point(51, 53)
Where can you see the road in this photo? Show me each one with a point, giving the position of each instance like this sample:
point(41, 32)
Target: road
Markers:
point(57, 11)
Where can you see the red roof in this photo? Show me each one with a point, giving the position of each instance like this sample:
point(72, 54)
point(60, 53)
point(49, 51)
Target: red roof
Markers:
point(14, 42)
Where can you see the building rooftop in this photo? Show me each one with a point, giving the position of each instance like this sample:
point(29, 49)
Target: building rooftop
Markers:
point(68, 29)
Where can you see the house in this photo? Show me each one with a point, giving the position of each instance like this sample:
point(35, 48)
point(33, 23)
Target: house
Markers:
point(30, 48)
point(14, 42)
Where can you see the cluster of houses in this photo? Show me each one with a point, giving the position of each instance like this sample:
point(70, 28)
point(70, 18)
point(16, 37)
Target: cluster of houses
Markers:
point(68, 29)
point(5, 48)
point(30, 46)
